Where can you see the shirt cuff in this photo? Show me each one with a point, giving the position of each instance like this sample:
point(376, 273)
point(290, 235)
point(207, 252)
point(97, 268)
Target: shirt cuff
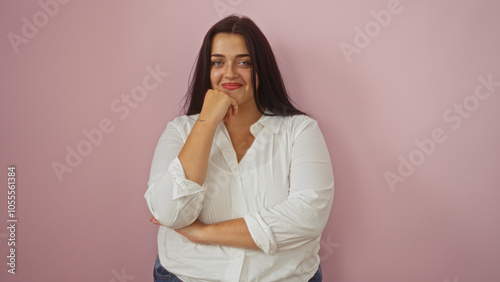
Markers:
point(261, 233)
point(184, 187)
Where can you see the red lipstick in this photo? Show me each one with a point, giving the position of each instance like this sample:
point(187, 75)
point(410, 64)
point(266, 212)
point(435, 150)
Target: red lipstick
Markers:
point(231, 86)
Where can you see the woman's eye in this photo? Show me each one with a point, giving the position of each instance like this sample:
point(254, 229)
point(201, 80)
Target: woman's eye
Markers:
point(216, 63)
point(244, 63)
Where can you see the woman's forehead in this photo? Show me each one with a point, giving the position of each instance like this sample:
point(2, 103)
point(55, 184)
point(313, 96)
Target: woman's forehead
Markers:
point(229, 44)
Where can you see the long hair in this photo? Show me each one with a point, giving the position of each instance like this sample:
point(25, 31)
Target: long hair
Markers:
point(271, 93)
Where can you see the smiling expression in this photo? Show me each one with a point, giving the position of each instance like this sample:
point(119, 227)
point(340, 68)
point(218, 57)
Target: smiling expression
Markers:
point(231, 68)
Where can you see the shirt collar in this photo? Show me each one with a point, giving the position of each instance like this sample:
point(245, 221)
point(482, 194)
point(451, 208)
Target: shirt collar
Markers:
point(272, 123)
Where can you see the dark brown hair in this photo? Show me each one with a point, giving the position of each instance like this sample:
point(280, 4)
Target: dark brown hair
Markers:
point(271, 92)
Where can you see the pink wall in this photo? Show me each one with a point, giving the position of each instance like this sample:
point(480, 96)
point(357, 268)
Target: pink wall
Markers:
point(412, 129)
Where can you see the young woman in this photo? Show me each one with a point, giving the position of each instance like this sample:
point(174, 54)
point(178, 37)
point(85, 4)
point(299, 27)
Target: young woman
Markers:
point(242, 185)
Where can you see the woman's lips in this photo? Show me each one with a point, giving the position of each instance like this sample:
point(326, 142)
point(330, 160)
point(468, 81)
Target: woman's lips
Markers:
point(231, 86)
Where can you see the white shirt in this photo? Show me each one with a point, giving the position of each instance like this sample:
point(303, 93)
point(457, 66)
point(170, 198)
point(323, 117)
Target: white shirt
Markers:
point(283, 188)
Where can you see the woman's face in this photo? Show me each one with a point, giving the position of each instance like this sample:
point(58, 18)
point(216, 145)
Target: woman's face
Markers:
point(231, 68)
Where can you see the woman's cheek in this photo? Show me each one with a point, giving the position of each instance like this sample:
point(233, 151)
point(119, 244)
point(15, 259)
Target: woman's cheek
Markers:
point(214, 79)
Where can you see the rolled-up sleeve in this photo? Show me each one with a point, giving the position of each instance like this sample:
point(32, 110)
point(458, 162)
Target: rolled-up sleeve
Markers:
point(171, 198)
point(302, 217)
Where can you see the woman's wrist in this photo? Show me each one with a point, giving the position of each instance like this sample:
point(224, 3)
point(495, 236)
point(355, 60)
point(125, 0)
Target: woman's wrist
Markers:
point(207, 120)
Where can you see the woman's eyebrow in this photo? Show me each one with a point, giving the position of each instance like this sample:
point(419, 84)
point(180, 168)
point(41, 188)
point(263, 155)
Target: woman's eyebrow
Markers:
point(237, 56)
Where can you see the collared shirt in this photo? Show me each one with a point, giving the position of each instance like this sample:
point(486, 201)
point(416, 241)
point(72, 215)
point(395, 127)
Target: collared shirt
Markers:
point(282, 187)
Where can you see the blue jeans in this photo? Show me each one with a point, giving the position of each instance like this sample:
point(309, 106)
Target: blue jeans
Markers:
point(161, 274)
point(318, 276)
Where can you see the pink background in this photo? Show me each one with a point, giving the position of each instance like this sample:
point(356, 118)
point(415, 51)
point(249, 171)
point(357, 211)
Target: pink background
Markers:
point(442, 223)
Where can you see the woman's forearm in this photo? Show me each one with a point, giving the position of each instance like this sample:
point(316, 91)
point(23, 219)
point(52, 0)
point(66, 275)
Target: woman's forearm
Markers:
point(195, 153)
point(231, 233)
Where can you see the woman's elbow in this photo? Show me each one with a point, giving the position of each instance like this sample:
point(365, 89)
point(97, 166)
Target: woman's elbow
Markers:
point(172, 222)
point(172, 218)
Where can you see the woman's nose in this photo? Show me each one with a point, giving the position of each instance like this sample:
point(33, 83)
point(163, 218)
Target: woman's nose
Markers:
point(230, 72)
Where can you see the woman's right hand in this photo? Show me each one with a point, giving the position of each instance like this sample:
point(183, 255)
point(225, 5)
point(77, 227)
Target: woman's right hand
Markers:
point(218, 106)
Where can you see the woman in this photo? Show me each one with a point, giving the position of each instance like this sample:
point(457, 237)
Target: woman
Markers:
point(242, 185)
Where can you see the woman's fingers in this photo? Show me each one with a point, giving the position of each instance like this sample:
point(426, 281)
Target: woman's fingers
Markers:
point(154, 220)
point(229, 114)
point(232, 110)
point(218, 105)
point(234, 106)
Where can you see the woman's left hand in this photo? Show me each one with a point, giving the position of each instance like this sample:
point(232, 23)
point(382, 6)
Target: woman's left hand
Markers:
point(154, 220)
point(193, 232)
